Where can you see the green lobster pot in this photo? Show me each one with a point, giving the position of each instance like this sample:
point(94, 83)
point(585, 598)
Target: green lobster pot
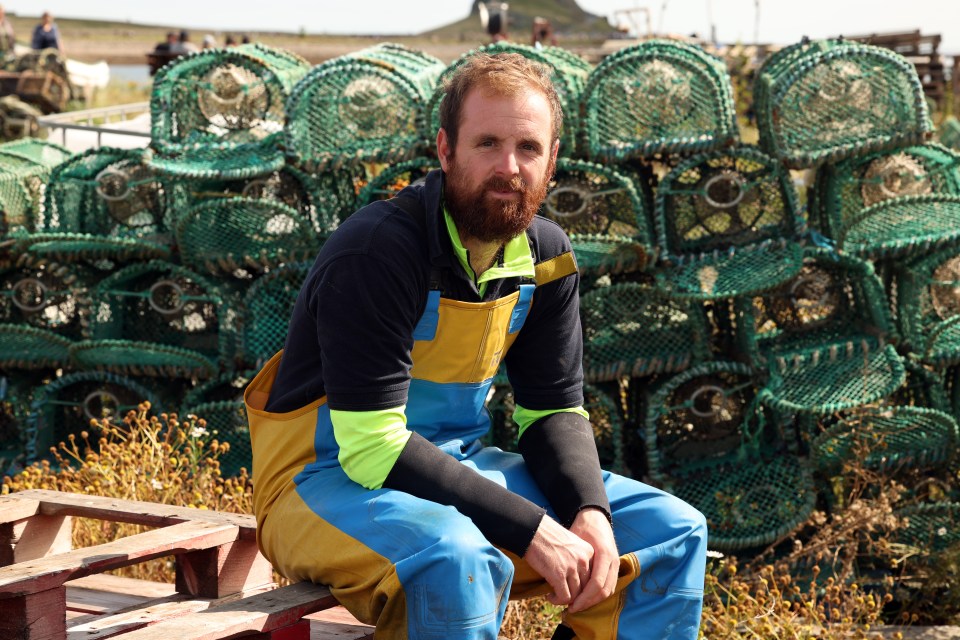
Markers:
point(885, 438)
point(102, 204)
point(365, 106)
point(928, 306)
point(827, 100)
point(393, 178)
point(220, 403)
point(949, 132)
point(239, 236)
point(158, 319)
point(657, 97)
point(268, 306)
point(25, 167)
point(821, 337)
point(932, 527)
point(65, 406)
point(220, 113)
point(568, 72)
point(633, 329)
point(606, 214)
point(729, 225)
point(43, 309)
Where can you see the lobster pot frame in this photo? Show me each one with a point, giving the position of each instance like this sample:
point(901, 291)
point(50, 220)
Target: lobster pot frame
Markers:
point(928, 306)
point(158, 319)
point(25, 167)
point(891, 204)
point(633, 329)
point(243, 235)
point(824, 101)
point(606, 214)
point(657, 97)
point(44, 308)
point(220, 403)
point(930, 526)
point(568, 72)
point(729, 225)
point(66, 405)
point(102, 204)
point(394, 178)
point(365, 106)
point(220, 113)
point(268, 306)
point(821, 337)
point(949, 132)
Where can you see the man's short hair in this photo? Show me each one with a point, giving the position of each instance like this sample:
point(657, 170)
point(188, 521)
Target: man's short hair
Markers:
point(504, 74)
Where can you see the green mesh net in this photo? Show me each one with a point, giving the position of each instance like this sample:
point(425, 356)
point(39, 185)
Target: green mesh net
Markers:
point(827, 100)
point(268, 306)
point(394, 177)
point(606, 214)
point(43, 309)
point(221, 112)
point(100, 204)
point(928, 306)
point(658, 97)
point(750, 503)
point(949, 132)
point(885, 438)
point(158, 319)
point(601, 401)
point(904, 226)
point(568, 72)
point(633, 329)
point(220, 403)
point(729, 225)
point(366, 106)
point(698, 418)
point(25, 167)
point(932, 527)
point(66, 405)
point(244, 235)
point(821, 337)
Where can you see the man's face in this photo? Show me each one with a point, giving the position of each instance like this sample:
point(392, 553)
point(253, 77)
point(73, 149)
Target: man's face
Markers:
point(497, 175)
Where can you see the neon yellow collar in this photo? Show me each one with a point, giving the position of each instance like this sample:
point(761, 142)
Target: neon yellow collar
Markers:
point(517, 260)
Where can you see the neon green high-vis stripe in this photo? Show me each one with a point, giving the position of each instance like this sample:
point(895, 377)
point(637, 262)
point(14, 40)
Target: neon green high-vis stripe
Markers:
point(523, 418)
point(517, 261)
point(370, 443)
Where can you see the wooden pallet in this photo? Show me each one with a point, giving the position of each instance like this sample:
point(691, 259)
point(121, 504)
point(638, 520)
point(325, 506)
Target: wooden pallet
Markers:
point(223, 588)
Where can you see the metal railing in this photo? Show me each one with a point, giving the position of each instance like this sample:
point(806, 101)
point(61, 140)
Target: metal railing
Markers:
point(100, 121)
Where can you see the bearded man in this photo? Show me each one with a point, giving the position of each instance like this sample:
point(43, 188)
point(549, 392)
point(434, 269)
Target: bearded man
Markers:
point(369, 474)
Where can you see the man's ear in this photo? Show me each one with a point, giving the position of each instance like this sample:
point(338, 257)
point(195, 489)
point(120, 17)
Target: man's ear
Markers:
point(443, 147)
point(556, 149)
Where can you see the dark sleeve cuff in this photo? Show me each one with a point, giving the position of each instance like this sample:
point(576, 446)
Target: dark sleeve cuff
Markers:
point(503, 517)
point(561, 454)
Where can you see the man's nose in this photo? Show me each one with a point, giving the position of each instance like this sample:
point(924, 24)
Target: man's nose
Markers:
point(507, 163)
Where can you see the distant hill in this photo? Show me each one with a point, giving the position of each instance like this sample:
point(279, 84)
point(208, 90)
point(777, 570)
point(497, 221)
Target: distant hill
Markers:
point(566, 17)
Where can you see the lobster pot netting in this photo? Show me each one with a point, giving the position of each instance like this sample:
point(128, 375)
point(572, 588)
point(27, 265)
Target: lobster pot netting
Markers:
point(220, 403)
point(601, 401)
point(268, 306)
point(698, 418)
point(729, 225)
point(928, 306)
point(828, 100)
point(368, 105)
point(932, 527)
point(633, 329)
point(240, 236)
point(393, 178)
point(884, 439)
point(606, 214)
point(949, 132)
point(66, 406)
point(750, 503)
point(25, 167)
point(821, 337)
point(657, 97)
point(158, 319)
point(891, 203)
point(568, 73)
point(102, 204)
point(43, 308)
point(220, 112)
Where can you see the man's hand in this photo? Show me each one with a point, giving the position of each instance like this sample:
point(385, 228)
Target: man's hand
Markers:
point(562, 558)
point(592, 526)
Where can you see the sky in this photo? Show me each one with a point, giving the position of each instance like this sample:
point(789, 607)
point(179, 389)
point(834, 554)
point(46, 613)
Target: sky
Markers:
point(779, 21)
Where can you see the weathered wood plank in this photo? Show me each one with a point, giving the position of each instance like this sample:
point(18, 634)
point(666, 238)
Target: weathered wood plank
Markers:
point(220, 571)
point(14, 507)
point(38, 616)
point(48, 573)
point(338, 623)
point(34, 537)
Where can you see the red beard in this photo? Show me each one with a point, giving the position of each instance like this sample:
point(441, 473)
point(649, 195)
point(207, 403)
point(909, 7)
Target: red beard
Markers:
point(478, 214)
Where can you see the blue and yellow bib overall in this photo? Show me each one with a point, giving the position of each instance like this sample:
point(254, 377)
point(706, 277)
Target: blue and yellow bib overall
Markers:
point(419, 569)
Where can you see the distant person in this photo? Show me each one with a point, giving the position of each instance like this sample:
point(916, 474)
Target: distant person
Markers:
point(46, 35)
point(7, 40)
point(183, 44)
point(230, 41)
point(245, 39)
point(209, 42)
point(168, 44)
